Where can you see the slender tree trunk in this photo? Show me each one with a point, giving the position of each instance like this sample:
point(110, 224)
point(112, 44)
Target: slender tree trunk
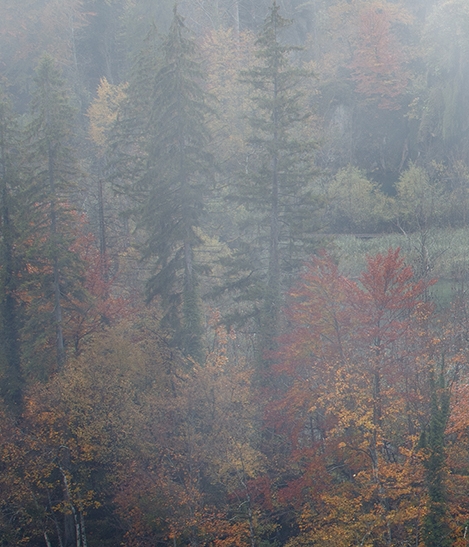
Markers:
point(55, 265)
point(56, 524)
point(47, 540)
point(13, 380)
point(102, 228)
point(236, 20)
point(83, 530)
point(73, 532)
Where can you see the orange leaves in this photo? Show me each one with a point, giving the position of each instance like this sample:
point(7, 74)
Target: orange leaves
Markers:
point(231, 534)
point(197, 457)
point(354, 367)
point(459, 420)
point(318, 334)
point(378, 62)
point(82, 429)
point(367, 42)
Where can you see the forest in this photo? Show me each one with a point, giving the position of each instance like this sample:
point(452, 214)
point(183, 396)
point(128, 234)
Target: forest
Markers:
point(234, 268)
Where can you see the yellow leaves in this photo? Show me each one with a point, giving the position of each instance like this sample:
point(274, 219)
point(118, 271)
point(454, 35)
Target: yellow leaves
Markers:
point(82, 422)
point(357, 201)
point(104, 110)
point(358, 359)
point(233, 535)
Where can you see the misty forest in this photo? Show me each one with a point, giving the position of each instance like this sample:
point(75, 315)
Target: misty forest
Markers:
point(234, 273)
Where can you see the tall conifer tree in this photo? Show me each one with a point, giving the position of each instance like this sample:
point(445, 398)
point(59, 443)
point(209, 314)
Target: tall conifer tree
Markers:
point(52, 168)
point(274, 187)
point(171, 189)
point(10, 263)
point(436, 531)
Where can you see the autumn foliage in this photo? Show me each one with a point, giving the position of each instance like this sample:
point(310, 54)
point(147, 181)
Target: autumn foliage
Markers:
point(261, 395)
point(346, 445)
point(378, 64)
point(357, 367)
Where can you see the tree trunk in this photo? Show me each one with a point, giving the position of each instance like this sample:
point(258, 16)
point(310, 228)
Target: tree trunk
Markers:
point(55, 264)
point(12, 390)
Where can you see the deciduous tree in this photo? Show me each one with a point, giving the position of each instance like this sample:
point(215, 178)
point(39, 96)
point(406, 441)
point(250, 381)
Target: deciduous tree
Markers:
point(357, 365)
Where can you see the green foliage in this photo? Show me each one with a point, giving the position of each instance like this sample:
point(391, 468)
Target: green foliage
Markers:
point(436, 531)
point(355, 204)
point(419, 201)
point(274, 189)
point(11, 264)
point(171, 175)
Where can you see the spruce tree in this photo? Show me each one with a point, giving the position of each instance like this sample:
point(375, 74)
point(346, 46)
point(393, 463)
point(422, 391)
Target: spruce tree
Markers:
point(274, 187)
point(172, 167)
point(52, 167)
point(10, 262)
point(436, 531)
point(128, 154)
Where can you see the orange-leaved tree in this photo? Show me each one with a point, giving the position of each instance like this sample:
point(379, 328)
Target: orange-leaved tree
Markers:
point(356, 365)
point(65, 463)
point(379, 62)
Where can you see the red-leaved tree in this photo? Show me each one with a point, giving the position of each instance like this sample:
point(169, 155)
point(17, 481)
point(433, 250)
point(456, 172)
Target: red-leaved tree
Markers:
point(356, 365)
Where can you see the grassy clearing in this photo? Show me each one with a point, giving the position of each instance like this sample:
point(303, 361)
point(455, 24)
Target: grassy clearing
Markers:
point(437, 253)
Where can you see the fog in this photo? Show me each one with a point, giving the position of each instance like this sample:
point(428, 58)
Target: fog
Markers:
point(233, 273)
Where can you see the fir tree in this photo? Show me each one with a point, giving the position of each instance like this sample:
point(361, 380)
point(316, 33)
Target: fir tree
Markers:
point(170, 185)
point(52, 167)
point(436, 531)
point(128, 154)
point(274, 188)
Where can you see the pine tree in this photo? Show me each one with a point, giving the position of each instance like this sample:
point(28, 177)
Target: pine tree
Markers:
point(274, 188)
point(10, 264)
point(52, 167)
point(172, 167)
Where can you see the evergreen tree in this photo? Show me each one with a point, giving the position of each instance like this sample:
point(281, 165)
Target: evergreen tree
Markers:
point(10, 263)
point(436, 531)
point(52, 167)
point(171, 169)
point(128, 154)
point(274, 188)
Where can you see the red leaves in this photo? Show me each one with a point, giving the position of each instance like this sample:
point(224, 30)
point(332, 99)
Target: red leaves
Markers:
point(96, 307)
point(388, 297)
point(352, 395)
point(389, 282)
point(335, 318)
